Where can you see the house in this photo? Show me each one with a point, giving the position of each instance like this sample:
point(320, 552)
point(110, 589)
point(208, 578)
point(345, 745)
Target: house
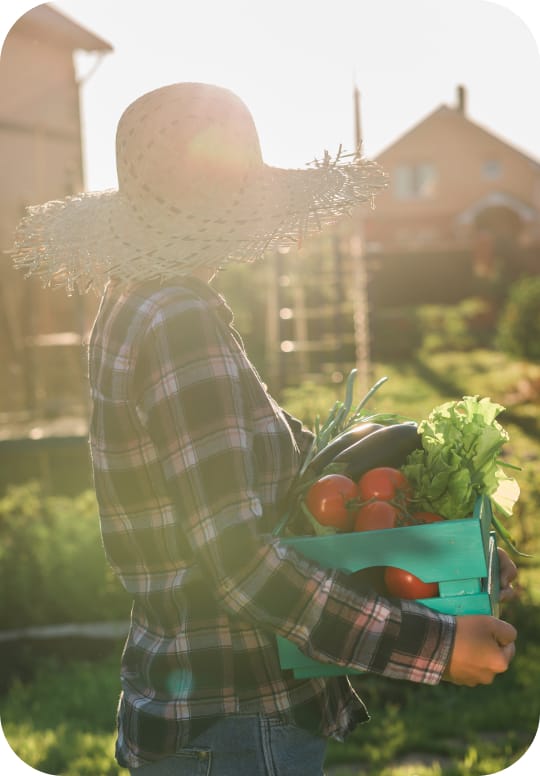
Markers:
point(458, 196)
point(459, 219)
point(41, 159)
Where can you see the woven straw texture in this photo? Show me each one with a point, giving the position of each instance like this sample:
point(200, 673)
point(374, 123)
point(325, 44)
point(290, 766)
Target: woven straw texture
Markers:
point(193, 192)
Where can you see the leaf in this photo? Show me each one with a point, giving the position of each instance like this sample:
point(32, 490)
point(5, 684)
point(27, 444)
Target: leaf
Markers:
point(320, 530)
point(506, 495)
point(507, 538)
point(459, 460)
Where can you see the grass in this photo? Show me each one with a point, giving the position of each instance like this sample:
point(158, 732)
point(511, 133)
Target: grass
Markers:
point(62, 721)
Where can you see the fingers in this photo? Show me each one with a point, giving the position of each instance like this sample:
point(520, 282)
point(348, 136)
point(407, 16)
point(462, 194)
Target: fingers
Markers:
point(507, 594)
point(501, 661)
point(483, 647)
point(507, 574)
point(504, 633)
point(507, 568)
point(505, 636)
point(509, 650)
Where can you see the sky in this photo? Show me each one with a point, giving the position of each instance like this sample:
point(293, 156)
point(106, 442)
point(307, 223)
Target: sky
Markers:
point(294, 62)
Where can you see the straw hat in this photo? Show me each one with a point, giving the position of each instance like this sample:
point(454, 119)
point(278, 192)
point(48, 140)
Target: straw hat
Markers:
point(193, 192)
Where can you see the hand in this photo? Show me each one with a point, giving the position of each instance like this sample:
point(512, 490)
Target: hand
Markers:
point(507, 574)
point(483, 648)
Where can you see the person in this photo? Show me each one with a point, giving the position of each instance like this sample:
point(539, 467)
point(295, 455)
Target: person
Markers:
point(193, 459)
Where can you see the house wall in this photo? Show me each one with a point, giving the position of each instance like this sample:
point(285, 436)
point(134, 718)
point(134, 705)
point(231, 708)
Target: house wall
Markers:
point(40, 145)
point(458, 149)
point(40, 159)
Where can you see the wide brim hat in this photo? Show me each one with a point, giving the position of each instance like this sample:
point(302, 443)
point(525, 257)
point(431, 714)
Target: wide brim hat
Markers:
point(193, 192)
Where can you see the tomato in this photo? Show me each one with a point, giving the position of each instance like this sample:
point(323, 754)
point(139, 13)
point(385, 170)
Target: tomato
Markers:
point(327, 500)
point(376, 515)
point(383, 483)
point(403, 584)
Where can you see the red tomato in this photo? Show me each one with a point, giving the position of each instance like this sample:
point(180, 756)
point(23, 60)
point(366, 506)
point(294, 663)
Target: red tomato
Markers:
point(376, 515)
point(403, 584)
point(327, 500)
point(383, 483)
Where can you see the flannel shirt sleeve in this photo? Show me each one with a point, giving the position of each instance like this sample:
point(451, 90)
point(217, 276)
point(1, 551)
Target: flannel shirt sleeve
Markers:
point(303, 436)
point(191, 402)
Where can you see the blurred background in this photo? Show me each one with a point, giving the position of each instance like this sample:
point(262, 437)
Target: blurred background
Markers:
point(437, 287)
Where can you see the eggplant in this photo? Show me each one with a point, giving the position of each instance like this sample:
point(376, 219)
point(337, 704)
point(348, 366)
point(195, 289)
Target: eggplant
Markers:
point(341, 442)
point(388, 446)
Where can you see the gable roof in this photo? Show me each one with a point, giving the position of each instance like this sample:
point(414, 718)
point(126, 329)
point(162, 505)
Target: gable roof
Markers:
point(45, 22)
point(457, 113)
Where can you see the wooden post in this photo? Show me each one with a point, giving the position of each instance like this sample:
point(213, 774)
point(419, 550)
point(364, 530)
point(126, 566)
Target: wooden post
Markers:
point(360, 295)
point(360, 308)
point(300, 324)
point(357, 121)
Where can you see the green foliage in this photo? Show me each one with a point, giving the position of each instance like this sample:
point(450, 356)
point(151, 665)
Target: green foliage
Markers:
point(52, 565)
point(518, 331)
point(400, 332)
point(463, 326)
point(63, 722)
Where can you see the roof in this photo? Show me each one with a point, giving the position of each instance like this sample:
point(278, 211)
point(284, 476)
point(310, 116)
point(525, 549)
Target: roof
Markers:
point(45, 22)
point(455, 112)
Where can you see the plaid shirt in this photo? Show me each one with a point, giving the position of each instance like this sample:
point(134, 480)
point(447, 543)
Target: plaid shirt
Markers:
point(192, 463)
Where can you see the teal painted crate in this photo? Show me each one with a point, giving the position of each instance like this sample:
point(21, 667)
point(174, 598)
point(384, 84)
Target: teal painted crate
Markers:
point(461, 555)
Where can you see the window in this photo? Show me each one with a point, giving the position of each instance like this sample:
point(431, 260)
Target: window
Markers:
point(491, 169)
point(415, 181)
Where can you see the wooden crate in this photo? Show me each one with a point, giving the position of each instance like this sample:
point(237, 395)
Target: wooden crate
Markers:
point(461, 555)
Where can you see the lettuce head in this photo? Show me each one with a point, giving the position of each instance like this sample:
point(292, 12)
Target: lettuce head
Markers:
point(460, 459)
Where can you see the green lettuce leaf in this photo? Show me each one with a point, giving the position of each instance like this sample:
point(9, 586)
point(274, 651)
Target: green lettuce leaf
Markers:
point(506, 494)
point(460, 459)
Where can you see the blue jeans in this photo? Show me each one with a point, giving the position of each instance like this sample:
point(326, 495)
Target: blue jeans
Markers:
point(245, 745)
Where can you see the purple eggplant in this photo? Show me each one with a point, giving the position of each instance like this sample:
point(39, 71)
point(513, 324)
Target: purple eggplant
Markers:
point(344, 440)
point(387, 446)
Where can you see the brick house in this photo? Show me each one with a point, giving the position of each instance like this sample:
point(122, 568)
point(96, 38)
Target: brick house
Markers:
point(461, 200)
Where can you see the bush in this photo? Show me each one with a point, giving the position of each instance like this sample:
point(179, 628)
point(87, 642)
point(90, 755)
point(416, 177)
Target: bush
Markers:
point(518, 331)
point(52, 564)
point(464, 326)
